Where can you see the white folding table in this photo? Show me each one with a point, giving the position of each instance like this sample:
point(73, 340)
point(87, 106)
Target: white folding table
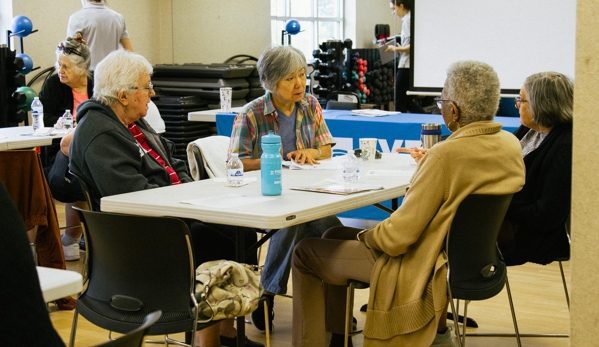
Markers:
point(393, 172)
point(21, 137)
point(58, 283)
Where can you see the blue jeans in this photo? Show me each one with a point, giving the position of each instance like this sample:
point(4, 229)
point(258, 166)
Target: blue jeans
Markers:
point(275, 273)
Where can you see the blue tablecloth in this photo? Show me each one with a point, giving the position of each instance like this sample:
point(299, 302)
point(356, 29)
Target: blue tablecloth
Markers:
point(394, 131)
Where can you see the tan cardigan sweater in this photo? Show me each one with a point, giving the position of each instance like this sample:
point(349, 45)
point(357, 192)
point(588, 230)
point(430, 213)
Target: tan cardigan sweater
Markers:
point(408, 288)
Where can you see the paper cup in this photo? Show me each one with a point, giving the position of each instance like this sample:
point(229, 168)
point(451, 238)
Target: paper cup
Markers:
point(225, 99)
point(368, 147)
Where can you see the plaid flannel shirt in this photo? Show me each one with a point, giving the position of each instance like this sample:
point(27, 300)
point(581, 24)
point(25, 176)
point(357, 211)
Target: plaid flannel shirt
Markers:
point(260, 116)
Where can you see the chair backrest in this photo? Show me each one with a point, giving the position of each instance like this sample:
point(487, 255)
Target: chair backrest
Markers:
point(139, 260)
point(333, 103)
point(475, 266)
point(207, 157)
point(135, 338)
point(89, 197)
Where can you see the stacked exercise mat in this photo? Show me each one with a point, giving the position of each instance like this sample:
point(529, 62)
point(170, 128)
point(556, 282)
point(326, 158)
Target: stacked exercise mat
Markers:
point(205, 81)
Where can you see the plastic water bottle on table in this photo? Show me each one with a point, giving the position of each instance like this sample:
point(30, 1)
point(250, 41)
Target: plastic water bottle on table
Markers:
point(234, 171)
point(37, 114)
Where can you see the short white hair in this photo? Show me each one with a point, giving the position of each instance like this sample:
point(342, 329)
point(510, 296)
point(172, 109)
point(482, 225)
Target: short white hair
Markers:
point(118, 72)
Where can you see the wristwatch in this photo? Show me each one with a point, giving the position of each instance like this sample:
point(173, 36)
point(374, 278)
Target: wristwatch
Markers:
point(360, 233)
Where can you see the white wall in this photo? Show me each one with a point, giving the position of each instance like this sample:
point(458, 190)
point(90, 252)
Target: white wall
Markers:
point(209, 31)
point(149, 23)
point(368, 14)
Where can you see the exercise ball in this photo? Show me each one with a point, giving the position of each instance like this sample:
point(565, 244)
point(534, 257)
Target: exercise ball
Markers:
point(30, 94)
point(27, 62)
point(292, 27)
point(21, 26)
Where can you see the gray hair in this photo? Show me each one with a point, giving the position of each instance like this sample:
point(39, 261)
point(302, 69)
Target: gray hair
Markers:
point(276, 62)
point(80, 61)
point(474, 87)
point(118, 72)
point(550, 97)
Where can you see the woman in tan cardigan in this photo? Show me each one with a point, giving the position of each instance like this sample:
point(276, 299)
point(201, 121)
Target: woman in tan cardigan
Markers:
point(402, 256)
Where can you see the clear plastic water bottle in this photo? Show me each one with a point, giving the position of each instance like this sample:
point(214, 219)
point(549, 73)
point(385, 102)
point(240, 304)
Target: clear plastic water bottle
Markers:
point(37, 114)
point(351, 168)
point(234, 170)
point(271, 165)
point(67, 119)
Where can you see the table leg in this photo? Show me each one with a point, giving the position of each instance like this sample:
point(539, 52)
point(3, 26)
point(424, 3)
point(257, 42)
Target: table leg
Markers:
point(240, 257)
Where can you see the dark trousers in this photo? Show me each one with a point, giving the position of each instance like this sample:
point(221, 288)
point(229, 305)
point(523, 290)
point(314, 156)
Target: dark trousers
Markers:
point(215, 242)
point(405, 103)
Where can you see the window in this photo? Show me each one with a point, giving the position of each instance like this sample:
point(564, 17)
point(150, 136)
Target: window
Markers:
point(319, 20)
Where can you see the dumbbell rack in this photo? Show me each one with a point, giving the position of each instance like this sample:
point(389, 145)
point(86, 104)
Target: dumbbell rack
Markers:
point(377, 78)
point(328, 67)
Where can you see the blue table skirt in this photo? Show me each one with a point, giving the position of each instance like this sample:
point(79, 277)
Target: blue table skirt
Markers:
point(392, 132)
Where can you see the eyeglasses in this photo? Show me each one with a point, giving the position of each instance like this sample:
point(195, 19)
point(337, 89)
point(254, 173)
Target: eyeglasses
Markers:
point(67, 50)
point(149, 88)
point(439, 102)
point(518, 100)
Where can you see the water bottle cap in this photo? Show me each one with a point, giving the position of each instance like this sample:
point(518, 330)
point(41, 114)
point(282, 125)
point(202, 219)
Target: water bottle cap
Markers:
point(271, 138)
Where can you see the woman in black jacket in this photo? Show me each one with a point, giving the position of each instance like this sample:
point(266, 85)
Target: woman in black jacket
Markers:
point(71, 85)
point(534, 229)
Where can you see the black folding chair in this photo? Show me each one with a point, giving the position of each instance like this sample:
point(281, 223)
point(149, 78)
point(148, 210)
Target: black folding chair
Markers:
point(475, 269)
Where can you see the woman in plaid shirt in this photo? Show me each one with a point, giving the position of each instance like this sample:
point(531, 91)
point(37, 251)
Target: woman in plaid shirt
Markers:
point(296, 116)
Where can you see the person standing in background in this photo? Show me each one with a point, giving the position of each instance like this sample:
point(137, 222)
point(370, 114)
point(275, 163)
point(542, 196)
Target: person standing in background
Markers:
point(403, 103)
point(104, 29)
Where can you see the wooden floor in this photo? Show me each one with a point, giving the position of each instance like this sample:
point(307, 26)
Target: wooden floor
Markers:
point(538, 298)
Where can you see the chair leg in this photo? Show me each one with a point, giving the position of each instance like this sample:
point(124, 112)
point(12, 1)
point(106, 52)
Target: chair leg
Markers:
point(561, 269)
point(456, 325)
point(266, 309)
point(509, 296)
point(348, 313)
point(73, 329)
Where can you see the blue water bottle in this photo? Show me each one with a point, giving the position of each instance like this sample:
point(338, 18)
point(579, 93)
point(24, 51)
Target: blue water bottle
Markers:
point(270, 164)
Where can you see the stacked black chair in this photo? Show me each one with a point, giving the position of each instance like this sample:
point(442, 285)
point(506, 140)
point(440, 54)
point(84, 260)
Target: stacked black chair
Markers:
point(174, 111)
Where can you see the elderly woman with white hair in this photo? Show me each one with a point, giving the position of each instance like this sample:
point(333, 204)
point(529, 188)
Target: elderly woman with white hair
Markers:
point(296, 116)
point(402, 257)
point(105, 153)
point(70, 86)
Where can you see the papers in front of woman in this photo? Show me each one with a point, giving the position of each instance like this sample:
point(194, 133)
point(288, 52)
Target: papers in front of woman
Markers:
point(372, 112)
point(48, 131)
point(335, 187)
point(324, 165)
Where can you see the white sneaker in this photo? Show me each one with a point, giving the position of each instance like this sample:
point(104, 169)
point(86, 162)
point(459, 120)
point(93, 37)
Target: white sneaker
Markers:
point(444, 340)
point(71, 252)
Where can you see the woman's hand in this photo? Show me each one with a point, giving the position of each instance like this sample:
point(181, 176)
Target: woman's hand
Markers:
point(416, 153)
point(304, 156)
point(391, 48)
point(65, 142)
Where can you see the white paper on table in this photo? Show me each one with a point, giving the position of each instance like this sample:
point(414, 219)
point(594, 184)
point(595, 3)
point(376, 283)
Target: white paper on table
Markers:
point(372, 113)
point(60, 131)
point(228, 201)
point(46, 131)
point(390, 172)
point(246, 180)
point(324, 165)
point(334, 187)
